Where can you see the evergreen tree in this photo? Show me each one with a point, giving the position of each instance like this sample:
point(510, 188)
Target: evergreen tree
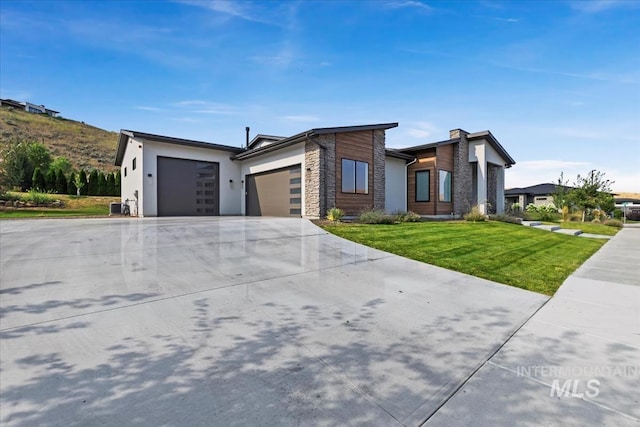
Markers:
point(61, 182)
point(51, 181)
point(102, 184)
point(71, 184)
point(38, 179)
point(92, 185)
point(111, 184)
point(117, 179)
point(81, 182)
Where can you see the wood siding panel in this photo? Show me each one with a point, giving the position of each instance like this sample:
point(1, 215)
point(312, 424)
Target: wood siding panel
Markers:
point(426, 160)
point(444, 162)
point(354, 146)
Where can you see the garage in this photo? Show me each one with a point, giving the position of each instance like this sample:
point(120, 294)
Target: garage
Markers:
point(188, 187)
point(275, 192)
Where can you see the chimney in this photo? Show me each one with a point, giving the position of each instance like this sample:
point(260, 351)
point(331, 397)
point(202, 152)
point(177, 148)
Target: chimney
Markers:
point(247, 129)
point(456, 133)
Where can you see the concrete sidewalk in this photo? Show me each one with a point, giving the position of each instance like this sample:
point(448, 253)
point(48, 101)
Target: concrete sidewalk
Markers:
point(575, 362)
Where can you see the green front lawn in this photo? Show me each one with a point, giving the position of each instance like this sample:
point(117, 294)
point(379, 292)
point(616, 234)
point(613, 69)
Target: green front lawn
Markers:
point(519, 256)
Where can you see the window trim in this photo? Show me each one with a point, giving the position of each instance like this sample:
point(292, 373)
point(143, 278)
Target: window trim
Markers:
point(355, 176)
point(440, 182)
point(428, 171)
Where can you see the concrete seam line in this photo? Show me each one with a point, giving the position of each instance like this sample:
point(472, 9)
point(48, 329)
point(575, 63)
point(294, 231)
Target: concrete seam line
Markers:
point(463, 383)
point(184, 295)
point(585, 333)
point(572, 394)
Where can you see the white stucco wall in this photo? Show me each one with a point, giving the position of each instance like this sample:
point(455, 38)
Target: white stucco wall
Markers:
point(133, 179)
point(230, 192)
point(282, 158)
point(395, 187)
point(480, 149)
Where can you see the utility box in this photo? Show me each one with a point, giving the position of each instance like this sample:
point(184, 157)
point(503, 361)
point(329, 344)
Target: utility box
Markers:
point(115, 208)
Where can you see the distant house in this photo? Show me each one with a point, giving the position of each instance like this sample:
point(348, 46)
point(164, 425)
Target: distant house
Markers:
point(28, 107)
point(541, 194)
point(310, 172)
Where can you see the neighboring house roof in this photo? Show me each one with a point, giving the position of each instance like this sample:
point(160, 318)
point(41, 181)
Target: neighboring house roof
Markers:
point(626, 200)
point(307, 134)
point(125, 134)
point(12, 103)
point(535, 190)
point(260, 137)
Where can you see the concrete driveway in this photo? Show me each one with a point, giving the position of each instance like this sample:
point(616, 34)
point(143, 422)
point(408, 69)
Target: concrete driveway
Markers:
point(233, 321)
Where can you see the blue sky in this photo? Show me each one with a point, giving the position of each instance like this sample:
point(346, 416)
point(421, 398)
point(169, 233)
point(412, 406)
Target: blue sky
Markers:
point(558, 83)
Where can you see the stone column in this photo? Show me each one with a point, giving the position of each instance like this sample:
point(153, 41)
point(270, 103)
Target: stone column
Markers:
point(378, 169)
point(500, 190)
point(482, 178)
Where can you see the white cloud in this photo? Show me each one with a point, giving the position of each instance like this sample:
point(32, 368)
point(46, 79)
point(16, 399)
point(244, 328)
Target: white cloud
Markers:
point(199, 106)
point(409, 4)
point(596, 6)
point(301, 118)
point(558, 165)
point(532, 172)
point(145, 108)
point(422, 130)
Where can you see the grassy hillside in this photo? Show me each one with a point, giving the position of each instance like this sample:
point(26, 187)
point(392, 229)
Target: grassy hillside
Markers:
point(85, 146)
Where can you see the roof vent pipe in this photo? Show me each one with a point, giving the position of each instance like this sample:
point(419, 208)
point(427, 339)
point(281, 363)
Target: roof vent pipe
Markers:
point(247, 129)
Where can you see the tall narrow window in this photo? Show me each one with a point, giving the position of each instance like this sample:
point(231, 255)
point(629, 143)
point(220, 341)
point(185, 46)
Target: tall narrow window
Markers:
point(355, 177)
point(444, 186)
point(133, 164)
point(422, 186)
point(125, 171)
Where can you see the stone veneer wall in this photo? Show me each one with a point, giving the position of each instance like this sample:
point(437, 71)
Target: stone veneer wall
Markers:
point(492, 187)
point(312, 184)
point(378, 169)
point(320, 176)
point(462, 173)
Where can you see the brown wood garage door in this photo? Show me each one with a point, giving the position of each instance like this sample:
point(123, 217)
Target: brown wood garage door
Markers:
point(187, 187)
point(275, 193)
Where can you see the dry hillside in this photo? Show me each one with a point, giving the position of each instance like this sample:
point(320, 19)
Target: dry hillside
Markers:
point(85, 146)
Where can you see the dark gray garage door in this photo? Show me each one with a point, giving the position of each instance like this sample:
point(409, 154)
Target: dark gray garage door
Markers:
point(275, 193)
point(187, 187)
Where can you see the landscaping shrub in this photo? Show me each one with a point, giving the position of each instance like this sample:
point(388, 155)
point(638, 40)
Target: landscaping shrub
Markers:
point(335, 214)
point(613, 223)
point(515, 207)
point(475, 215)
point(375, 217)
point(37, 197)
point(618, 214)
point(407, 217)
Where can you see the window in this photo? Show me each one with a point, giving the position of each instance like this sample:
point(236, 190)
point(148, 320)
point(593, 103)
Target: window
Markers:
point(355, 177)
point(133, 164)
point(125, 171)
point(444, 187)
point(422, 186)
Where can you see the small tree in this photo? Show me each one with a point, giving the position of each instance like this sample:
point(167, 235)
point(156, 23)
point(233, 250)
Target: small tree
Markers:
point(589, 193)
point(61, 164)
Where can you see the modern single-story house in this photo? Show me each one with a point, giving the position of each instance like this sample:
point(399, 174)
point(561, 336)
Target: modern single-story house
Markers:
point(28, 107)
point(539, 194)
point(308, 173)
